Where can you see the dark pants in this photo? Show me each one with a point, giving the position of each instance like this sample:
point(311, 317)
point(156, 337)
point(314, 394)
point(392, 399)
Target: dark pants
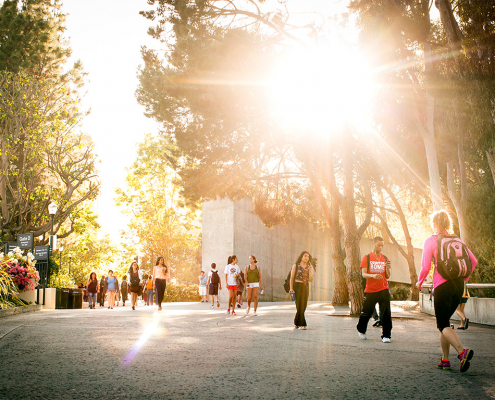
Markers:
point(370, 299)
point(302, 293)
point(446, 298)
point(160, 284)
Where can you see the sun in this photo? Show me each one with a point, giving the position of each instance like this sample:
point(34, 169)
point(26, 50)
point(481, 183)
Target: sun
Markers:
point(315, 90)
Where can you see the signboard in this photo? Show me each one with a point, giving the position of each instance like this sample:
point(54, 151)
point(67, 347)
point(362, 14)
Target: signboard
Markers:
point(10, 246)
point(53, 242)
point(41, 253)
point(26, 241)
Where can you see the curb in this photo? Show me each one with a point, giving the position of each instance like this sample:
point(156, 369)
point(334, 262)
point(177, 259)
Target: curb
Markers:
point(19, 310)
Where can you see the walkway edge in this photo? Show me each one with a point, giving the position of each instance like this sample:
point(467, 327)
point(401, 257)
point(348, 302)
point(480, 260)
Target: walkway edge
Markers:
point(19, 310)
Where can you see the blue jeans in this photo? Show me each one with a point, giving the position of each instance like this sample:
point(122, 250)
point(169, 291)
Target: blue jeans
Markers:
point(149, 294)
point(92, 299)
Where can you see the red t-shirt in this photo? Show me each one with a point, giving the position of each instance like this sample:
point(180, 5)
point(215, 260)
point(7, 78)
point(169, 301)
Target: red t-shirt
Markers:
point(377, 266)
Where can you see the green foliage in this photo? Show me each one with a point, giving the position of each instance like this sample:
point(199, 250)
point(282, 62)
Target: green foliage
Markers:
point(484, 273)
point(399, 292)
point(8, 291)
point(177, 292)
point(61, 280)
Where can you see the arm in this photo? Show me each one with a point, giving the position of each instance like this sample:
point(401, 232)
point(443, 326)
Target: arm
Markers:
point(226, 282)
point(292, 275)
point(311, 273)
point(387, 269)
point(425, 261)
point(153, 277)
point(245, 277)
point(474, 261)
point(261, 282)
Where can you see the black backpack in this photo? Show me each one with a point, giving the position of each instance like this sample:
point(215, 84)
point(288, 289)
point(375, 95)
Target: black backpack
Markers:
point(123, 286)
point(363, 280)
point(452, 258)
point(135, 281)
point(215, 279)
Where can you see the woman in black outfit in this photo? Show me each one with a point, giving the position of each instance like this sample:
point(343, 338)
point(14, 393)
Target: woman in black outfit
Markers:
point(301, 274)
point(103, 290)
point(92, 288)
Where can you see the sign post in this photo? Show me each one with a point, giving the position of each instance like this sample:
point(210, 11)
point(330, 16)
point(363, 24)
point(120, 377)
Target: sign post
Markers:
point(26, 241)
point(41, 255)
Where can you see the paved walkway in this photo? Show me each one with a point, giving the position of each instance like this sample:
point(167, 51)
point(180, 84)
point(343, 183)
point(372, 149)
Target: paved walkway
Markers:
point(190, 351)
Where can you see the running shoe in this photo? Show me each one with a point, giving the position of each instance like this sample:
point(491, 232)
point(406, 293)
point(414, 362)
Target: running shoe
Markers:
point(255, 314)
point(302, 328)
point(233, 312)
point(362, 335)
point(464, 357)
point(443, 364)
point(385, 339)
point(377, 324)
point(212, 306)
point(238, 305)
point(228, 311)
point(247, 310)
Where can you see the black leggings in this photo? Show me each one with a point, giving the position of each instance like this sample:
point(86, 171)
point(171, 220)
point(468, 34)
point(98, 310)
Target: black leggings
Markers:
point(161, 285)
point(302, 293)
point(383, 299)
point(446, 298)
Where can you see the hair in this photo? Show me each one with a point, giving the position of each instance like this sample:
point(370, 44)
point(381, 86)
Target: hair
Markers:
point(145, 276)
point(110, 271)
point(213, 265)
point(124, 278)
point(377, 239)
point(158, 260)
point(91, 274)
point(254, 259)
point(441, 219)
point(231, 258)
point(299, 259)
point(130, 267)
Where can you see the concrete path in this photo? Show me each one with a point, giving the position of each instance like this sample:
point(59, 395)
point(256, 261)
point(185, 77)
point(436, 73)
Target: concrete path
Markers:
point(190, 351)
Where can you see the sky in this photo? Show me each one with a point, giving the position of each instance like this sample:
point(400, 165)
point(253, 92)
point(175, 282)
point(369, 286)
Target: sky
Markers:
point(107, 35)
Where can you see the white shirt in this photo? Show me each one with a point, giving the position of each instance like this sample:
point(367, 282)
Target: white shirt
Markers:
point(232, 272)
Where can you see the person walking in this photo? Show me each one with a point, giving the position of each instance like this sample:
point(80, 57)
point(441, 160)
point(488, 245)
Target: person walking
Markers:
point(160, 277)
point(214, 283)
point(301, 275)
point(447, 294)
point(92, 288)
point(135, 279)
point(253, 283)
point(112, 287)
point(103, 290)
point(375, 268)
point(240, 288)
point(460, 309)
point(149, 291)
point(124, 287)
point(203, 280)
point(231, 273)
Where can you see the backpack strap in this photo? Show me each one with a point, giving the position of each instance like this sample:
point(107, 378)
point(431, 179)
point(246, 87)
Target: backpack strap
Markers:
point(368, 257)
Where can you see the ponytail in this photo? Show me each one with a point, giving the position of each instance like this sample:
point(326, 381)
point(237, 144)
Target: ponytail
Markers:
point(441, 219)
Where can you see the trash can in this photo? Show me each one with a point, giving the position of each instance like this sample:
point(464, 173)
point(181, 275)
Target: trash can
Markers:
point(61, 298)
point(75, 300)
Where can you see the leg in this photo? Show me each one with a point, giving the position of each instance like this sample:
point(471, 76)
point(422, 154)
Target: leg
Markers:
point(370, 299)
point(449, 336)
point(460, 312)
point(386, 315)
point(249, 296)
point(255, 290)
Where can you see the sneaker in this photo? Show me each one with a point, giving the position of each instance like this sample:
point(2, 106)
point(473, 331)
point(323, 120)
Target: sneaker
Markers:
point(218, 304)
point(233, 312)
point(386, 340)
point(302, 328)
point(247, 310)
point(362, 335)
point(296, 327)
point(377, 324)
point(212, 306)
point(255, 314)
point(238, 305)
point(464, 358)
point(443, 364)
point(228, 311)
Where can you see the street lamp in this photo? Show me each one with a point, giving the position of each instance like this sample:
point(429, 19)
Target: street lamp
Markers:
point(52, 210)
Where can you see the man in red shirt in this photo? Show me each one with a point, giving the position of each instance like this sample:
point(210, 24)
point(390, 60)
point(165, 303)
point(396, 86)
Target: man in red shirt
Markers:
point(375, 268)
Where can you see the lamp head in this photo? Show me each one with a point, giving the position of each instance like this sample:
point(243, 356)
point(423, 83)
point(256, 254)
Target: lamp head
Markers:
point(52, 208)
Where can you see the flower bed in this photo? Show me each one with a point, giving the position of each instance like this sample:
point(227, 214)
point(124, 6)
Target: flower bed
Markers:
point(21, 269)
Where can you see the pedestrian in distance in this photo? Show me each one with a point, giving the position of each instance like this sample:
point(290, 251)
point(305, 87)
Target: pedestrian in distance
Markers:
point(135, 283)
point(160, 277)
point(103, 290)
point(203, 280)
point(375, 268)
point(124, 287)
point(447, 293)
point(112, 287)
point(240, 288)
point(214, 283)
point(92, 288)
point(232, 271)
point(460, 309)
point(253, 283)
point(149, 291)
point(301, 275)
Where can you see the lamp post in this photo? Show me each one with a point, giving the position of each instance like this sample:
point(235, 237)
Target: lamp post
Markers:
point(70, 260)
point(52, 210)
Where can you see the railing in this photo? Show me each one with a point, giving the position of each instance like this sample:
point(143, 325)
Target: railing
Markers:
point(469, 286)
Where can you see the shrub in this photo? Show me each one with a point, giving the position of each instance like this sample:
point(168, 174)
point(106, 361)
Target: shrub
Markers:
point(59, 280)
point(400, 293)
point(176, 292)
point(21, 269)
point(483, 273)
point(8, 291)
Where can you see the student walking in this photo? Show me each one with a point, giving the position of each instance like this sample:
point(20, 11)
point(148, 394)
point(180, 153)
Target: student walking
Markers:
point(149, 291)
point(447, 292)
point(103, 290)
point(124, 287)
point(240, 288)
point(253, 283)
point(301, 275)
point(203, 280)
point(231, 273)
point(135, 279)
point(92, 288)
point(112, 287)
point(375, 268)
point(214, 283)
point(160, 277)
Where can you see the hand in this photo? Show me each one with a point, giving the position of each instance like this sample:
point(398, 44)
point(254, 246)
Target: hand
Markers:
point(418, 285)
point(378, 276)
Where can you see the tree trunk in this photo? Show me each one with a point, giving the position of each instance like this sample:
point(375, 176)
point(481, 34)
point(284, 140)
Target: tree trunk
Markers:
point(490, 155)
point(3, 183)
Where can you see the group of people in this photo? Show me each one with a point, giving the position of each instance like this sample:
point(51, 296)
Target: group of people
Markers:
point(153, 286)
point(448, 294)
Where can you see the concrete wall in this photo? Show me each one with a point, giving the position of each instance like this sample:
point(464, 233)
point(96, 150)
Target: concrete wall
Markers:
point(478, 310)
point(232, 228)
